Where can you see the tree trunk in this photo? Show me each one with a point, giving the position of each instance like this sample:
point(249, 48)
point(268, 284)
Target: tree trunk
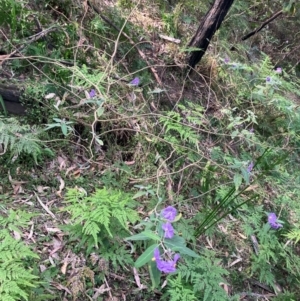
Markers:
point(11, 99)
point(207, 28)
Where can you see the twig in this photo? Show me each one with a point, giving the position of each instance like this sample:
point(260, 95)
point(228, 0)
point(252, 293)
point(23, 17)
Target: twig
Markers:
point(262, 26)
point(108, 287)
point(142, 55)
point(244, 294)
point(45, 207)
point(170, 39)
point(29, 41)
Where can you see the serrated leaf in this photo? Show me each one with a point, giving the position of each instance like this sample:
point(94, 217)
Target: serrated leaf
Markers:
point(237, 179)
point(146, 256)
point(246, 176)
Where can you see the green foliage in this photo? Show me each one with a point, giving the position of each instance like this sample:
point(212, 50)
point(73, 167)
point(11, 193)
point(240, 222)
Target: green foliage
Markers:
point(12, 220)
point(18, 138)
point(103, 214)
point(195, 156)
point(177, 291)
point(199, 279)
point(16, 280)
point(294, 235)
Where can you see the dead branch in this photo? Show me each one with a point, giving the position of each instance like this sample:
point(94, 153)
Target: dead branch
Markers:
point(262, 26)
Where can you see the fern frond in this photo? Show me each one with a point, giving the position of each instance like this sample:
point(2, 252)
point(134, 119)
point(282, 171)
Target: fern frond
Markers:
point(103, 210)
point(15, 280)
point(294, 235)
point(19, 138)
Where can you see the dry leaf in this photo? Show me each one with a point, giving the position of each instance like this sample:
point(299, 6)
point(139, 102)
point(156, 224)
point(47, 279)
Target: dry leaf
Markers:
point(17, 235)
point(43, 268)
point(61, 186)
point(50, 95)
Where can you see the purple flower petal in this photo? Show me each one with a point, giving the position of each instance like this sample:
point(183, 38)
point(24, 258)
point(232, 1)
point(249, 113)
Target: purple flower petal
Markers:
point(278, 70)
point(156, 254)
point(250, 167)
point(272, 220)
point(169, 213)
point(226, 60)
point(92, 93)
point(268, 79)
point(165, 266)
point(135, 81)
point(169, 230)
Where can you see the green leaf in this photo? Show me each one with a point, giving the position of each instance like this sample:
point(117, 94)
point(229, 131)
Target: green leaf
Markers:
point(145, 235)
point(155, 274)
point(3, 106)
point(177, 243)
point(186, 251)
point(99, 141)
point(64, 129)
point(100, 111)
point(246, 176)
point(156, 91)
point(146, 256)
point(177, 218)
point(139, 193)
point(237, 181)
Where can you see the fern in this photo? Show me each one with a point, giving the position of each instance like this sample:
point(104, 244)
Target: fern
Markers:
point(106, 212)
point(204, 275)
point(178, 292)
point(18, 138)
point(16, 281)
point(294, 235)
point(13, 219)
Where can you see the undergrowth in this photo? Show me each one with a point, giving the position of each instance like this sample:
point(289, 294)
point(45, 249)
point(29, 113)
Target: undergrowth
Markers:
point(219, 148)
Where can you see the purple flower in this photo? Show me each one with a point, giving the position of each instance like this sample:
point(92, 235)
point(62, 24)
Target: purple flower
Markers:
point(92, 93)
point(272, 220)
point(226, 60)
point(251, 130)
point(268, 79)
point(278, 70)
point(250, 167)
point(165, 266)
point(169, 213)
point(169, 230)
point(135, 81)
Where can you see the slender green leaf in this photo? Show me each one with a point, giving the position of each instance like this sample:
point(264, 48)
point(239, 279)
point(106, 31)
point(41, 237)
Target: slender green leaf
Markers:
point(145, 235)
point(146, 256)
point(155, 274)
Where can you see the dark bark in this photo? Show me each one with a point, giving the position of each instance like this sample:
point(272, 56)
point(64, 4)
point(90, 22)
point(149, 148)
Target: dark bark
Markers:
point(11, 95)
point(10, 92)
point(207, 28)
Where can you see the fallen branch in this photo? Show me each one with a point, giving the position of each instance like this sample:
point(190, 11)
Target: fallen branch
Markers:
point(262, 26)
point(27, 42)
